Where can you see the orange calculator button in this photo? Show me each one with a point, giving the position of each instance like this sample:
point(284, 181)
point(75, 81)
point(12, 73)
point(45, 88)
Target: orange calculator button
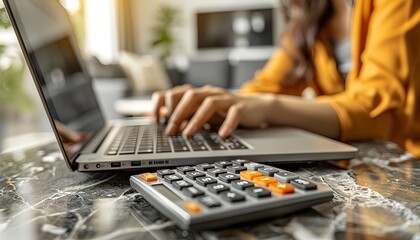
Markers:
point(192, 207)
point(264, 180)
point(248, 174)
point(282, 188)
point(148, 177)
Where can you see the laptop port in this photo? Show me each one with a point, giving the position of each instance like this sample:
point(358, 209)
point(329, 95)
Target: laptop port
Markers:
point(135, 163)
point(116, 164)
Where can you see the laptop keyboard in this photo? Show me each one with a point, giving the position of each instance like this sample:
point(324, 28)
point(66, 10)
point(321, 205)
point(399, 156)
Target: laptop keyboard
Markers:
point(139, 140)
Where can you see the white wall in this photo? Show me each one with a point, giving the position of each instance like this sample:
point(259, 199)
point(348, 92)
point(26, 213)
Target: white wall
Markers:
point(144, 12)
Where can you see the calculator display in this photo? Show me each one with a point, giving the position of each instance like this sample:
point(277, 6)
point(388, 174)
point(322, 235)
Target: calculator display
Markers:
point(162, 189)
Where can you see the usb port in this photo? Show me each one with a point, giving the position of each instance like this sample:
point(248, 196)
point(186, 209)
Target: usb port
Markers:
point(116, 164)
point(136, 163)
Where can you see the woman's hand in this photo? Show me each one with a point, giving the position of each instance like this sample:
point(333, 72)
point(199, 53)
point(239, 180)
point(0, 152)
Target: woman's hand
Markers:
point(198, 106)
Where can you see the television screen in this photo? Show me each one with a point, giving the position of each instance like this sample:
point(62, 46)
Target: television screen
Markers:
point(235, 28)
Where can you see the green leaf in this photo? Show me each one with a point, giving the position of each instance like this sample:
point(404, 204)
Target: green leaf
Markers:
point(4, 20)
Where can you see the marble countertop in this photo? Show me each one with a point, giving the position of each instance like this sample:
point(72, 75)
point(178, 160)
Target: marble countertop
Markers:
point(376, 196)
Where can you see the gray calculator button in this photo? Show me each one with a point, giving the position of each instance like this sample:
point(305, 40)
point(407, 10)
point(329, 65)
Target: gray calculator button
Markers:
point(253, 166)
point(216, 171)
point(284, 176)
point(172, 178)
point(194, 175)
point(235, 169)
point(184, 170)
point(218, 188)
point(228, 177)
point(165, 172)
point(240, 162)
point(181, 184)
point(205, 166)
point(232, 196)
point(258, 192)
point(223, 164)
point(303, 184)
point(268, 171)
point(242, 184)
point(204, 181)
point(209, 202)
point(192, 192)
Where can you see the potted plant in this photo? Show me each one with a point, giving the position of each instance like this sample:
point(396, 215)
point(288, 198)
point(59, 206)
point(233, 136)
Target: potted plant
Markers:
point(163, 37)
point(12, 68)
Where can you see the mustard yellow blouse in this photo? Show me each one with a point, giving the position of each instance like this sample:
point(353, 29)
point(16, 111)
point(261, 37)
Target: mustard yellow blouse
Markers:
point(381, 98)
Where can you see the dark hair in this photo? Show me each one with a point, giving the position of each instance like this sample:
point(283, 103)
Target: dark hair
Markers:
point(305, 21)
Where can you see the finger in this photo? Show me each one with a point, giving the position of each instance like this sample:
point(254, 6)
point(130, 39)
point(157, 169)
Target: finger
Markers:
point(185, 109)
point(173, 96)
point(207, 110)
point(158, 99)
point(232, 121)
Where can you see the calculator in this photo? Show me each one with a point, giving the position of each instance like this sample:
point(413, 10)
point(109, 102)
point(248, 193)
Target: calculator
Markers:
point(212, 195)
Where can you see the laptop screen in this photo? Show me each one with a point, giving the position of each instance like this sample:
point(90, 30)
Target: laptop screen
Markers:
point(48, 42)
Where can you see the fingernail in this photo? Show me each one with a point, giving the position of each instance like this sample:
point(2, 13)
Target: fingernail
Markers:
point(190, 129)
point(171, 129)
point(223, 132)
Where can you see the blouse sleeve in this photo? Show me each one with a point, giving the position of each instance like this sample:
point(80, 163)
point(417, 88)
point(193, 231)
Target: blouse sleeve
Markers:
point(385, 51)
point(271, 78)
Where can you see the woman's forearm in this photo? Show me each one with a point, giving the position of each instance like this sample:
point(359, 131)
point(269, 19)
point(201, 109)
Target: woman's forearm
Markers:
point(309, 115)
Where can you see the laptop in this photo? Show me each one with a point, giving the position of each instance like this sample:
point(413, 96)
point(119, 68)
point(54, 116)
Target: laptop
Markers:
point(47, 40)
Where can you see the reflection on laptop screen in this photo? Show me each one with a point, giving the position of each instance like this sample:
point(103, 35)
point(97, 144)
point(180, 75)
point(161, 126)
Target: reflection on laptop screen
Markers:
point(47, 36)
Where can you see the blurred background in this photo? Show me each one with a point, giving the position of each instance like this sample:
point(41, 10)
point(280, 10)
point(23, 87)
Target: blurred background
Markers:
point(132, 48)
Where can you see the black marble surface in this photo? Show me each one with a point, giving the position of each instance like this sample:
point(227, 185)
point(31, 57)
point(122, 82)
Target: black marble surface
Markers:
point(376, 196)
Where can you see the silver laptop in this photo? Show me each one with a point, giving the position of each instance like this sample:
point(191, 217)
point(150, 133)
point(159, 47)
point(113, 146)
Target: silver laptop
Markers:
point(48, 43)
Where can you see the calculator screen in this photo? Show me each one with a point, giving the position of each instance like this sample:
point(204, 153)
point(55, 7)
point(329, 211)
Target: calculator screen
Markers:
point(162, 189)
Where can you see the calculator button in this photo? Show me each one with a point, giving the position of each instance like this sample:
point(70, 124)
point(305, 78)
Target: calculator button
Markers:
point(235, 169)
point(248, 174)
point(253, 166)
point(284, 176)
point(209, 202)
point(240, 162)
point(218, 188)
point(194, 175)
point(303, 184)
point(268, 171)
point(215, 172)
point(258, 192)
point(264, 180)
point(192, 192)
point(232, 196)
point(227, 177)
point(192, 207)
point(223, 164)
point(165, 172)
point(185, 169)
point(148, 177)
point(204, 181)
point(204, 166)
point(181, 184)
point(242, 184)
point(281, 188)
point(171, 178)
